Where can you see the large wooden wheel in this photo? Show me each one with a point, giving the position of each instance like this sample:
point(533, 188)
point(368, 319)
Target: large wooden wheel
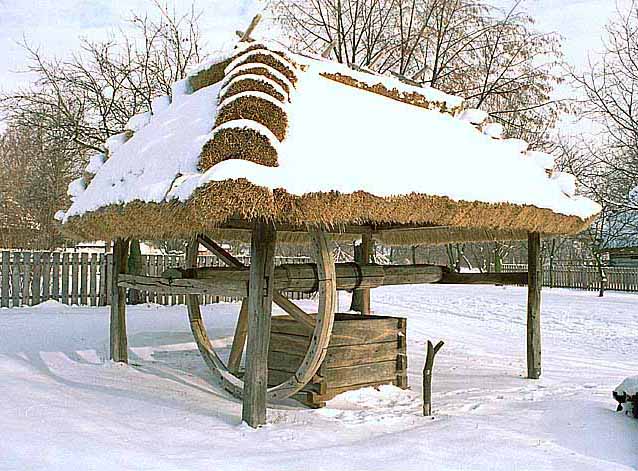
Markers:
point(320, 334)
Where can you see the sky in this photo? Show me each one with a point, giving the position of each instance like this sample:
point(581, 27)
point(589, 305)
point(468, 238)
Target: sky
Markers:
point(56, 26)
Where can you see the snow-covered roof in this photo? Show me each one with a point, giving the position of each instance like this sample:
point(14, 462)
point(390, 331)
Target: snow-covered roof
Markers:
point(265, 133)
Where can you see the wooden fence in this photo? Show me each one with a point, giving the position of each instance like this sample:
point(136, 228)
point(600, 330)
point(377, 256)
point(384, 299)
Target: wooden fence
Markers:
point(584, 277)
point(30, 278)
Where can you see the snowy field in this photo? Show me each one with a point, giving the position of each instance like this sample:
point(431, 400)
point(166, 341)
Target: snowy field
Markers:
point(64, 407)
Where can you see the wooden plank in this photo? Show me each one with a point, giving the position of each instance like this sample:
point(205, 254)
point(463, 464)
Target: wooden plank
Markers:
point(239, 339)
point(45, 257)
point(93, 267)
point(360, 374)
point(102, 290)
point(534, 306)
point(289, 343)
point(84, 279)
point(262, 267)
point(336, 357)
point(346, 332)
point(75, 278)
point(26, 279)
point(5, 278)
point(15, 279)
point(37, 278)
point(118, 340)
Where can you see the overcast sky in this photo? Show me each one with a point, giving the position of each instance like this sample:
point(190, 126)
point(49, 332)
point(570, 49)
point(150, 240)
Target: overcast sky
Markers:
point(56, 25)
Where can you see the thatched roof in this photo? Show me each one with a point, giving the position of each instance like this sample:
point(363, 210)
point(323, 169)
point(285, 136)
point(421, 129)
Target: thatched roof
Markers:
point(264, 133)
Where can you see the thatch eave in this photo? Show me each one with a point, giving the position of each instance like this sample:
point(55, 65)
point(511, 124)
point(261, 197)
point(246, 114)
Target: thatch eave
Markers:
point(227, 209)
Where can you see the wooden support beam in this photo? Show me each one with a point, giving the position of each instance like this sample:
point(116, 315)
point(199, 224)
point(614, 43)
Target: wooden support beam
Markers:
point(262, 265)
point(363, 254)
point(239, 339)
point(219, 251)
point(513, 278)
point(534, 286)
point(118, 341)
point(295, 311)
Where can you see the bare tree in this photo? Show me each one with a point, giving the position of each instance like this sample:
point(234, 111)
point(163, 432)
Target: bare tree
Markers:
point(610, 88)
point(492, 57)
point(90, 97)
point(76, 104)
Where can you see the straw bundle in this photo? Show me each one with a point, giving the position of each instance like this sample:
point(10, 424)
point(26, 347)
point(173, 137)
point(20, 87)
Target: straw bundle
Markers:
point(263, 70)
point(239, 142)
point(412, 98)
point(248, 83)
point(264, 56)
point(209, 76)
point(256, 107)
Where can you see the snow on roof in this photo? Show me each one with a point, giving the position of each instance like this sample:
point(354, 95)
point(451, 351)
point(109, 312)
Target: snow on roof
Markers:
point(347, 132)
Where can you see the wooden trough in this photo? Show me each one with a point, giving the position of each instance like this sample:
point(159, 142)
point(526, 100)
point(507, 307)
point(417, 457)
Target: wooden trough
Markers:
point(363, 351)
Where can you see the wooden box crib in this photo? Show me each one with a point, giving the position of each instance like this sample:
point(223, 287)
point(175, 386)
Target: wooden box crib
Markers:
point(363, 351)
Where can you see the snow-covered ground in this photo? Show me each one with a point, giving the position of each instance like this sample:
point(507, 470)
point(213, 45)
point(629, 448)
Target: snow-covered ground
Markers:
point(62, 406)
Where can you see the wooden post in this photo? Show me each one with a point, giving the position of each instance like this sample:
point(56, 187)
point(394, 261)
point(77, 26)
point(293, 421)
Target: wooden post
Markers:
point(427, 376)
point(534, 284)
point(119, 344)
point(260, 293)
point(362, 255)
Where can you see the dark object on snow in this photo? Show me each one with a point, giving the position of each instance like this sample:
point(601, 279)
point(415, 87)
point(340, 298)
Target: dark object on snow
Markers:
point(427, 376)
point(627, 403)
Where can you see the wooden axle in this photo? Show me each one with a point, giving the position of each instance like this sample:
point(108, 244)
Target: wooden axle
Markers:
point(232, 281)
point(223, 281)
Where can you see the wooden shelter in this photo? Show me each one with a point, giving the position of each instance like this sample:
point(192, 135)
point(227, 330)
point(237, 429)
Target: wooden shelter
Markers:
point(223, 158)
point(620, 239)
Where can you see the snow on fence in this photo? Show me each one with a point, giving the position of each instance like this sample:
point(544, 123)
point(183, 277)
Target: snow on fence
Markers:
point(30, 278)
point(582, 277)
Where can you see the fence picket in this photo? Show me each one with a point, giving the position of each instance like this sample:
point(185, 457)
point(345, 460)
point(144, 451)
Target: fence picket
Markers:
point(65, 278)
point(15, 280)
point(84, 275)
point(45, 257)
point(93, 297)
point(5, 278)
point(26, 279)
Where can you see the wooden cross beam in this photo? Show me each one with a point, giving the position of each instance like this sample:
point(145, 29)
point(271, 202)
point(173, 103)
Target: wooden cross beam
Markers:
point(244, 36)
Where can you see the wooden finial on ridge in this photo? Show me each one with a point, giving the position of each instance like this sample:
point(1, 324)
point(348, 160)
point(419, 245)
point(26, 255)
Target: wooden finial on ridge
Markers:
point(245, 35)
